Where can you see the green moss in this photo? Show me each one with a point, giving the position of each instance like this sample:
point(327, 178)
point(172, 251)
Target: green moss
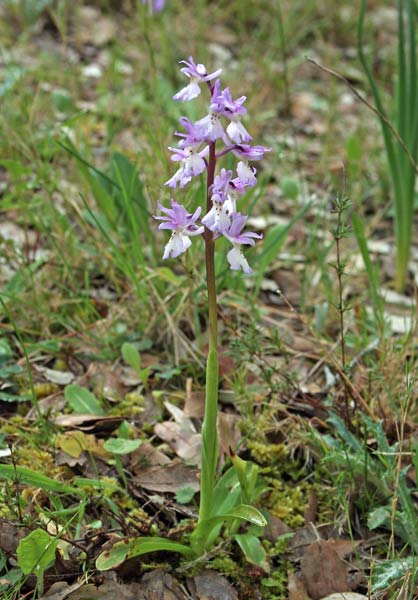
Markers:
point(288, 501)
point(227, 566)
point(265, 453)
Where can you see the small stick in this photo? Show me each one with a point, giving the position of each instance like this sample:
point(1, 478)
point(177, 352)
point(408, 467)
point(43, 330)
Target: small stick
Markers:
point(369, 105)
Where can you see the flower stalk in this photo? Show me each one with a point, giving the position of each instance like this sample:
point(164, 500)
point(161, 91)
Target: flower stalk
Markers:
point(209, 429)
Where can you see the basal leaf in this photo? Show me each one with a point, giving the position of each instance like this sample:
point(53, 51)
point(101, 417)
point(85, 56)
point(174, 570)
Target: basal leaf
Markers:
point(253, 550)
point(31, 478)
point(82, 401)
point(36, 552)
point(121, 446)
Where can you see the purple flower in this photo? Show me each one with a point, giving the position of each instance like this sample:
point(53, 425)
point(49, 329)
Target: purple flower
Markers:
point(197, 74)
point(221, 185)
point(212, 127)
point(247, 152)
point(183, 225)
point(233, 233)
point(195, 134)
point(154, 5)
point(223, 204)
point(233, 110)
point(246, 175)
point(192, 163)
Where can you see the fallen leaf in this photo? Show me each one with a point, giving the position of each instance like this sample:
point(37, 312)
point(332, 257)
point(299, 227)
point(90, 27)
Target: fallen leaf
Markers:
point(61, 590)
point(295, 588)
point(210, 585)
point(323, 572)
point(94, 423)
point(169, 478)
point(184, 443)
point(228, 432)
point(74, 443)
point(345, 596)
point(194, 404)
point(59, 377)
point(158, 585)
point(147, 456)
point(275, 528)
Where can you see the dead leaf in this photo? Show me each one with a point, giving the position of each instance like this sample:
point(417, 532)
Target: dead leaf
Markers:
point(184, 443)
point(94, 423)
point(275, 528)
point(74, 443)
point(323, 572)
point(147, 456)
point(194, 404)
point(228, 432)
point(169, 478)
point(210, 585)
point(345, 596)
point(158, 585)
point(58, 377)
point(295, 588)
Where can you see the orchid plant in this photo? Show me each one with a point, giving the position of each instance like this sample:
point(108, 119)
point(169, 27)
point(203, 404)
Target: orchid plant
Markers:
point(201, 146)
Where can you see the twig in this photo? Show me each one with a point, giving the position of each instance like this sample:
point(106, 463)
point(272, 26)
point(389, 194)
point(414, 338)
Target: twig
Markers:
point(369, 105)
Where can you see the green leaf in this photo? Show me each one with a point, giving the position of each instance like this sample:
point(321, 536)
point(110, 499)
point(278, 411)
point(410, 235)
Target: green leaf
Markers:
point(125, 550)
point(131, 356)
point(243, 512)
point(385, 574)
point(121, 446)
point(110, 559)
point(290, 187)
point(379, 517)
point(185, 494)
point(82, 401)
point(37, 480)
point(36, 552)
point(5, 397)
point(253, 550)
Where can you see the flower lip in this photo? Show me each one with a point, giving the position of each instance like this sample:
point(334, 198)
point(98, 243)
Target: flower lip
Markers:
point(248, 152)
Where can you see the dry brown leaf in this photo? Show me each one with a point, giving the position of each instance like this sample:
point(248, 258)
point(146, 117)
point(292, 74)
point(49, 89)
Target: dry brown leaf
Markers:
point(194, 404)
point(345, 596)
point(147, 456)
point(275, 528)
point(184, 443)
point(323, 572)
point(169, 478)
point(295, 588)
point(210, 585)
point(228, 432)
point(93, 423)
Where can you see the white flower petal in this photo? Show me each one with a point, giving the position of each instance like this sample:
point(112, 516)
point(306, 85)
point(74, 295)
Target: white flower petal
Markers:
point(177, 244)
point(237, 132)
point(246, 174)
point(192, 90)
point(237, 260)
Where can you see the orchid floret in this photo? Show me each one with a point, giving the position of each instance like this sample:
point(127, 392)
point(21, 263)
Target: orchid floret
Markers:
point(183, 225)
point(197, 74)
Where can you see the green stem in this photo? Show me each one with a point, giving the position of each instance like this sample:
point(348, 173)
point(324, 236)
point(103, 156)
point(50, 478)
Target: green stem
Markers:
point(209, 430)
